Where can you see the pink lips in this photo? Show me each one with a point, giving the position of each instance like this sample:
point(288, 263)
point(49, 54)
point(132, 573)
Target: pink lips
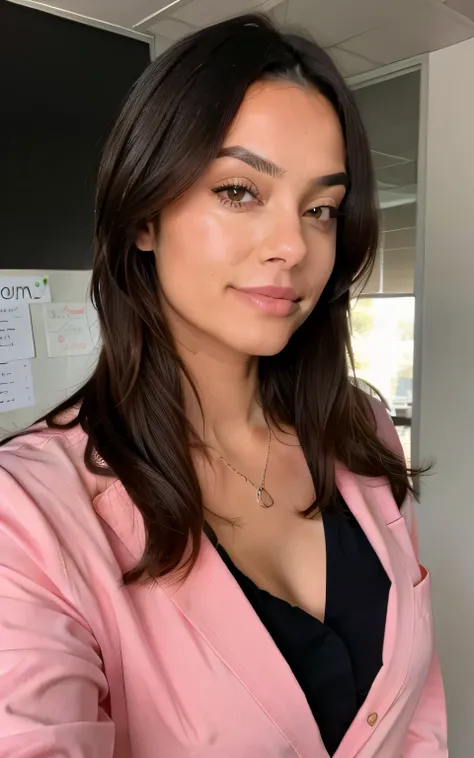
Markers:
point(274, 301)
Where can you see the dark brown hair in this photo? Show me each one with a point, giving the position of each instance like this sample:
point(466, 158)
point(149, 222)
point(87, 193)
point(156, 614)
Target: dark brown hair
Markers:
point(171, 127)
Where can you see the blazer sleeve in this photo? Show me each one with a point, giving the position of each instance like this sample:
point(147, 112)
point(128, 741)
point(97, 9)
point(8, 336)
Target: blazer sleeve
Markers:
point(52, 682)
point(427, 734)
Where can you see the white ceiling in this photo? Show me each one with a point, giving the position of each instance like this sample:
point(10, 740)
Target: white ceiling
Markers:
point(362, 35)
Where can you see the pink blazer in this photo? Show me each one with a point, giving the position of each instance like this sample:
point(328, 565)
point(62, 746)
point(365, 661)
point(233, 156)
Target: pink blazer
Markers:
point(90, 669)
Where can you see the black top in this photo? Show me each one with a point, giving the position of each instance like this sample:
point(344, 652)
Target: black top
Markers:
point(335, 662)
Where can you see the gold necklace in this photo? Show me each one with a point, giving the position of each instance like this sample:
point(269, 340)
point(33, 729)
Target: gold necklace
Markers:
point(264, 499)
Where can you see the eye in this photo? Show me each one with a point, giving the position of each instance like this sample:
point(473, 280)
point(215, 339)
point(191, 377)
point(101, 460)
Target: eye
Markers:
point(323, 213)
point(236, 195)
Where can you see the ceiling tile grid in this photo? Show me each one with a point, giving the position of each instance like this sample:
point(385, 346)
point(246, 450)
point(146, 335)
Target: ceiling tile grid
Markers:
point(362, 34)
point(331, 23)
point(200, 13)
point(464, 7)
point(350, 64)
point(170, 28)
point(430, 25)
point(119, 12)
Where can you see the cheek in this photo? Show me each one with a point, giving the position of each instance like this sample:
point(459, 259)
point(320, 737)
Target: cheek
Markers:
point(197, 258)
point(195, 241)
point(321, 262)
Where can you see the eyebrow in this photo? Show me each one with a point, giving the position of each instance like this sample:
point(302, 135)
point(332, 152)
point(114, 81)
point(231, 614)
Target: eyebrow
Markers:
point(264, 166)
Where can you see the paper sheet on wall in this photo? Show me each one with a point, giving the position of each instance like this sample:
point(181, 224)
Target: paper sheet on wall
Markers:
point(16, 334)
point(67, 330)
point(16, 386)
point(24, 289)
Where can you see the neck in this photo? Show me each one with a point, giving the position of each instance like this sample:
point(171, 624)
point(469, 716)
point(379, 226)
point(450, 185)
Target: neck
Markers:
point(227, 385)
point(228, 389)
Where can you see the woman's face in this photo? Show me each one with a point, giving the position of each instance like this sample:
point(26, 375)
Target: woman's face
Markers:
point(245, 253)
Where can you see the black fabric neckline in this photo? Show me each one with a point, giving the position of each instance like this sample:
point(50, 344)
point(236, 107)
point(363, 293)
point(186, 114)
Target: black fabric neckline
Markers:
point(336, 661)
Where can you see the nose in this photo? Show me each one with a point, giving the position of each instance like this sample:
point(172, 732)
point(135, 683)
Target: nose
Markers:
point(285, 242)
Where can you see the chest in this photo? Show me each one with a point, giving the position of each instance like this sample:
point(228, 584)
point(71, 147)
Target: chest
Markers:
point(278, 548)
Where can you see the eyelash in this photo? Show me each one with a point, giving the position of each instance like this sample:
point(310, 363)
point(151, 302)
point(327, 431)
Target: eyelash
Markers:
point(238, 185)
point(334, 212)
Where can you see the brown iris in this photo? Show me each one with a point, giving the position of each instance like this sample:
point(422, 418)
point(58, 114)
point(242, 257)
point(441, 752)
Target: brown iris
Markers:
point(236, 194)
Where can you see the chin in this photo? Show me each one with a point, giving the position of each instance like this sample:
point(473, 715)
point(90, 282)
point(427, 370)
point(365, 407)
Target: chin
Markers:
point(266, 344)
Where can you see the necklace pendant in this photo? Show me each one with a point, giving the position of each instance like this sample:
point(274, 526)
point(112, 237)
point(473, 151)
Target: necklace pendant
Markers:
point(264, 499)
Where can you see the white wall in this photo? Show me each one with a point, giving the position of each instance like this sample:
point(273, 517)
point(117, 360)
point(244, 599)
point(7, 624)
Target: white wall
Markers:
point(446, 408)
point(53, 378)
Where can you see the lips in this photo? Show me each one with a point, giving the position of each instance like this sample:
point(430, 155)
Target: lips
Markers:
point(279, 293)
point(270, 300)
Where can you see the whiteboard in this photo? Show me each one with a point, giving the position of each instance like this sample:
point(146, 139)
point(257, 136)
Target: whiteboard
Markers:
point(54, 378)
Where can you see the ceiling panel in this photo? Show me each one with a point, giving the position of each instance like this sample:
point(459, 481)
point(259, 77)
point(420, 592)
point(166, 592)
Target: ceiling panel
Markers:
point(170, 28)
point(367, 31)
point(350, 64)
point(278, 12)
point(161, 44)
point(466, 7)
point(204, 12)
point(120, 12)
point(334, 21)
point(429, 26)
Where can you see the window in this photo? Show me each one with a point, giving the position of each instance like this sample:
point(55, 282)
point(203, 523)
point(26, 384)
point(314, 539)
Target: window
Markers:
point(383, 315)
point(383, 344)
point(383, 347)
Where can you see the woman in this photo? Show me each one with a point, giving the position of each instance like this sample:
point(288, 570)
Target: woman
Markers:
point(206, 551)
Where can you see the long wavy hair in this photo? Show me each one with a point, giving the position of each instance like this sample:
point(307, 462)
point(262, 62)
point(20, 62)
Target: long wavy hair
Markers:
point(171, 127)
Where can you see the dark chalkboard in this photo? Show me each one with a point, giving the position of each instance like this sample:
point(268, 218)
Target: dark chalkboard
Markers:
point(62, 84)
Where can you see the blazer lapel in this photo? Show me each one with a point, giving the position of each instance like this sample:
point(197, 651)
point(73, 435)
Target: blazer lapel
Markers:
point(212, 601)
point(372, 503)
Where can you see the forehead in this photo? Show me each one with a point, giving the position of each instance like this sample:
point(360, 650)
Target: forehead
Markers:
point(297, 128)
